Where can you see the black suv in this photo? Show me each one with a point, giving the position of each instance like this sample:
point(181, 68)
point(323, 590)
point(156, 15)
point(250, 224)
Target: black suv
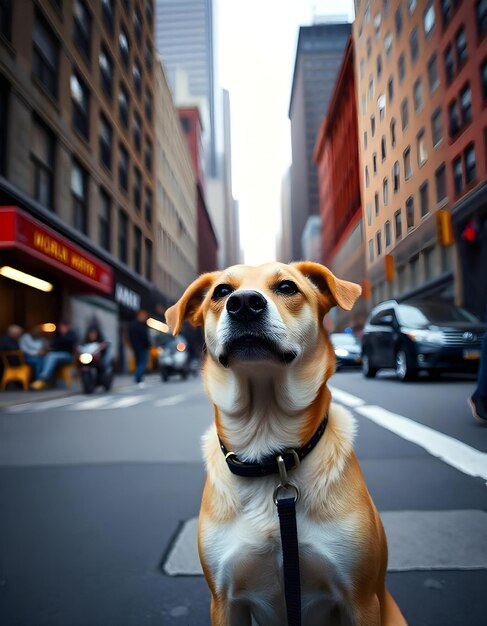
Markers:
point(431, 335)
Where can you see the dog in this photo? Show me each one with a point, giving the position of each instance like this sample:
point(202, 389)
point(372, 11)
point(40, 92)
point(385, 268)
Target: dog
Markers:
point(268, 359)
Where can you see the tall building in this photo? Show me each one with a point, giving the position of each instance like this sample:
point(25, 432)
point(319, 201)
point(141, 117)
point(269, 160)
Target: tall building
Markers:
point(318, 56)
point(337, 158)
point(419, 74)
point(76, 168)
point(185, 39)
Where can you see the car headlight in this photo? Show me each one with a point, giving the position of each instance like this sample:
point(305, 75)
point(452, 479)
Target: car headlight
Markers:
point(428, 336)
point(86, 358)
point(341, 352)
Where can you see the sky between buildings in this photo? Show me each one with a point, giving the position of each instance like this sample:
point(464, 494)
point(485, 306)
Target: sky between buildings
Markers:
point(256, 50)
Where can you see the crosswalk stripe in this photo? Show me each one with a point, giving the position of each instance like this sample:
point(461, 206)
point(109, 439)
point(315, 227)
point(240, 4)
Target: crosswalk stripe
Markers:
point(92, 403)
point(127, 401)
point(170, 400)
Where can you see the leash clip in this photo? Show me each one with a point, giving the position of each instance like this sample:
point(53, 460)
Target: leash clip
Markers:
point(285, 485)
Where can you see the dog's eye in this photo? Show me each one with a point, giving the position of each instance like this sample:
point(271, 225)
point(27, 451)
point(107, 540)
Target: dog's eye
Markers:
point(222, 291)
point(287, 288)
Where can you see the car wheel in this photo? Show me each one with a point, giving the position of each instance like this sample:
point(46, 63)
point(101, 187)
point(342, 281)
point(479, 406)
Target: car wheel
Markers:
point(367, 370)
point(404, 370)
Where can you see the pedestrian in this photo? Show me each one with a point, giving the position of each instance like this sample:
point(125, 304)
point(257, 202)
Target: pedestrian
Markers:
point(62, 351)
point(140, 342)
point(34, 347)
point(478, 400)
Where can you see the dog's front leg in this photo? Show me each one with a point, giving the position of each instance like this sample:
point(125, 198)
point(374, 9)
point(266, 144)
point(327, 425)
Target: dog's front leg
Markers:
point(229, 613)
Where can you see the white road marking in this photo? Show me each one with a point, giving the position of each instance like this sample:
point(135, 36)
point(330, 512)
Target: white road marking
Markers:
point(345, 398)
point(453, 452)
point(169, 401)
point(93, 403)
point(127, 401)
point(417, 540)
point(52, 404)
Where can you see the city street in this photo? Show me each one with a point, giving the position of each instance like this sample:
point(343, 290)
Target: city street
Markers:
point(99, 497)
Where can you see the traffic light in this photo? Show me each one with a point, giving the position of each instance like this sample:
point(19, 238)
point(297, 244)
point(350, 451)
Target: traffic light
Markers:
point(389, 267)
point(444, 227)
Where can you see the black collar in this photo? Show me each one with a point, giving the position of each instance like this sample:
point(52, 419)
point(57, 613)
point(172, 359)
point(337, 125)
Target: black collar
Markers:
point(268, 465)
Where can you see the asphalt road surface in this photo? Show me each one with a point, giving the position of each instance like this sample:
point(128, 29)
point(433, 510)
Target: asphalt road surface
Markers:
point(99, 495)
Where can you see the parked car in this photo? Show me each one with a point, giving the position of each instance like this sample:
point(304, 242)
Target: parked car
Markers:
point(431, 335)
point(347, 349)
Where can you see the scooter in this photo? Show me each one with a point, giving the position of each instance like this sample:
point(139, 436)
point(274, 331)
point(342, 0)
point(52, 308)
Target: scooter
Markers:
point(94, 366)
point(174, 358)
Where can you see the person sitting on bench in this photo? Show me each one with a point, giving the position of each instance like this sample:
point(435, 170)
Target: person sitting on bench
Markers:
point(62, 351)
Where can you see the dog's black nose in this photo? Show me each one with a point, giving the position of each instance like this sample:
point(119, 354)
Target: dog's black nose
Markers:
point(246, 305)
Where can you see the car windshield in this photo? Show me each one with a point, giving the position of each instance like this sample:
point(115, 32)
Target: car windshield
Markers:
point(344, 339)
point(439, 313)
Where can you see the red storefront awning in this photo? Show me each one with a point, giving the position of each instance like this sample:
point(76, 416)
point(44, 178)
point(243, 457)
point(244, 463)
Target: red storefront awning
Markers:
point(20, 231)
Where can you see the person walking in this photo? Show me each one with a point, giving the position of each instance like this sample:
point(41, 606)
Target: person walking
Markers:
point(62, 351)
point(34, 347)
point(140, 342)
point(478, 400)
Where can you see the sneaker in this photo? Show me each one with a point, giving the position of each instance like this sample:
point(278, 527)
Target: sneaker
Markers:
point(38, 384)
point(479, 410)
point(140, 385)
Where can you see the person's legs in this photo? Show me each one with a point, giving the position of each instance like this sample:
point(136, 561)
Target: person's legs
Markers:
point(478, 400)
point(36, 362)
point(141, 358)
point(52, 360)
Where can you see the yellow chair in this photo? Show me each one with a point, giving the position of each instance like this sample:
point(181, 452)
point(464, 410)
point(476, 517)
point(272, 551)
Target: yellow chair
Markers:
point(21, 372)
point(65, 372)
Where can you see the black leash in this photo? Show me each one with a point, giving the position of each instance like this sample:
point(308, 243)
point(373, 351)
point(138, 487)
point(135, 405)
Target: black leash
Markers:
point(285, 497)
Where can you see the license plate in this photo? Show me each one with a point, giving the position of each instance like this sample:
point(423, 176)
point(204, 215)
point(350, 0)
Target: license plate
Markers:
point(471, 355)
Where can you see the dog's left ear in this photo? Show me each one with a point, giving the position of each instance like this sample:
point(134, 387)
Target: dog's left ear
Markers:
point(336, 291)
point(188, 307)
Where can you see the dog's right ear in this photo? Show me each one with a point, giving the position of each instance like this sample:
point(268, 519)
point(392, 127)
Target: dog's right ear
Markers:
point(188, 307)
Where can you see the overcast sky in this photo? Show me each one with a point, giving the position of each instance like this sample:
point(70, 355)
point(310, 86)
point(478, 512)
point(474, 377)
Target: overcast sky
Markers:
point(255, 60)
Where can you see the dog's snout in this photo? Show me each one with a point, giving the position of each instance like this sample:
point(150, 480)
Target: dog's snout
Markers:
point(245, 305)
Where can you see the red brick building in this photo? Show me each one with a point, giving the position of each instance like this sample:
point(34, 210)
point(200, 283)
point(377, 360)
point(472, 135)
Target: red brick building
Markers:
point(337, 158)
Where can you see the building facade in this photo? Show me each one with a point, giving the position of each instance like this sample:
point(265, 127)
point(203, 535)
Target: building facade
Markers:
point(337, 159)
point(318, 56)
point(176, 197)
point(77, 144)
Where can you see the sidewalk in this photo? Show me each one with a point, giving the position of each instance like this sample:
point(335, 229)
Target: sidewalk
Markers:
point(16, 395)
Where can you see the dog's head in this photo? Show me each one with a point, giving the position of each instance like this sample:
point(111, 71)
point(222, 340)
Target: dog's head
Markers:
point(272, 313)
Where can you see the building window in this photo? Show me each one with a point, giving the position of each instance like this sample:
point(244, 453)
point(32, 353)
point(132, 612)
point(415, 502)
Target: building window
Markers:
point(378, 242)
point(401, 67)
point(137, 132)
point(148, 259)
point(371, 87)
point(42, 159)
point(106, 72)
point(80, 103)
point(453, 119)
point(404, 114)
point(79, 192)
point(148, 205)
point(398, 225)
point(398, 21)
point(362, 69)
point(369, 47)
point(376, 203)
point(446, 7)
point(123, 106)
point(82, 27)
point(440, 181)
point(457, 175)
point(379, 66)
point(105, 142)
point(429, 18)
point(466, 104)
point(385, 191)
point(436, 127)
point(148, 56)
point(383, 148)
point(407, 163)
point(481, 14)
point(374, 163)
point(393, 132)
point(123, 160)
point(470, 164)
point(461, 47)
point(411, 6)
point(107, 12)
point(371, 250)
point(45, 56)
point(377, 22)
point(367, 178)
point(388, 44)
point(122, 236)
point(418, 95)
point(433, 80)
point(483, 79)
point(368, 210)
point(390, 88)
point(138, 25)
point(387, 233)
point(424, 199)
point(137, 189)
point(381, 105)
point(137, 76)
point(124, 46)
point(410, 212)
point(449, 64)
point(148, 105)
point(148, 154)
point(396, 177)
point(104, 221)
point(421, 145)
point(365, 140)
point(372, 125)
point(137, 250)
point(414, 45)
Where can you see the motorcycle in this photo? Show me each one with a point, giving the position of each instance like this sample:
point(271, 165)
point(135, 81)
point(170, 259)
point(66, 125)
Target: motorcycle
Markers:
point(94, 366)
point(174, 358)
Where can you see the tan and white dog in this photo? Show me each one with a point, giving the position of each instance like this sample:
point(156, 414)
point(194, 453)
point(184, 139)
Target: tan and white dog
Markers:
point(267, 364)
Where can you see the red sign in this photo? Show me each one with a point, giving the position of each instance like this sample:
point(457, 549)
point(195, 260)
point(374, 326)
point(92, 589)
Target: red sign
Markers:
point(20, 230)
